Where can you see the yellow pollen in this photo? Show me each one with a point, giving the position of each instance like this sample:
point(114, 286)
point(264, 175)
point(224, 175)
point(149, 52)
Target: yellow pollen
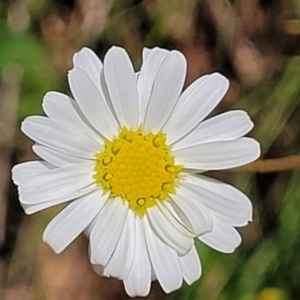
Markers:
point(140, 201)
point(108, 176)
point(170, 169)
point(106, 160)
point(157, 141)
point(137, 168)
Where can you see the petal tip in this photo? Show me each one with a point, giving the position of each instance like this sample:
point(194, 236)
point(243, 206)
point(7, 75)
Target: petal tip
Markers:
point(55, 248)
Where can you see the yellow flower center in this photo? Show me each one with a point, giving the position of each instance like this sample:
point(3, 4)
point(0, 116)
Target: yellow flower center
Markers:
point(138, 168)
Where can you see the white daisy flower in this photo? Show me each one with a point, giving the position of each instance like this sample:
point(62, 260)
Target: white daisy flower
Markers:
point(124, 156)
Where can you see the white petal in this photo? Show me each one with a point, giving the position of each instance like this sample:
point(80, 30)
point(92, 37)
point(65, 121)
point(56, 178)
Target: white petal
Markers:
point(55, 157)
point(100, 270)
point(25, 170)
point(218, 155)
point(179, 215)
point(223, 200)
point(146, 52)
point(72, 220)
point(33, 208)
point(198, 216)
point(107, 96)
point(63, 109)
point(151, 63)
point(122, 259)
point(153, 276)
point(92, 103)
point(167, 87)
point(170, 230)
point(87, 60)
point(138, 281)
point(195, 103)
point(224, 127)
point(223, 238)
point(164, 260)
point(107, 230)
point(65, 182)
point(45, 132)
point(191, 266)
point(121, 83)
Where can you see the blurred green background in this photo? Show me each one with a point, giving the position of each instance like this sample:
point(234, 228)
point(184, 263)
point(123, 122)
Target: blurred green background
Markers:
point(254, 43)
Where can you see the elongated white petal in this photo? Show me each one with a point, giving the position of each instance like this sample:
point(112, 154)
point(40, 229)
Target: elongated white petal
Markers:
point(169, 230)
point(122, 259)
point(25, 170)
point(190, 266)
point(72, 220)
point(223, 200)
point(107, 230)
point(45, 132)
point(95, 72)
point(138, 281)
point(55, 157)
point(224, 238)
point(87, 60)
point(100, 270)
point(121, 83)
point(224, 127)
point(106, 96)
point(218, 155)
point(198, 216)
point(153, 276)
point(195, 103)
point(64, 111)
point(92, 103)
point(35, 207)
point(151, 63)
point(55, 183)
point(164, 260)
point(166, 89)
point(146, 52)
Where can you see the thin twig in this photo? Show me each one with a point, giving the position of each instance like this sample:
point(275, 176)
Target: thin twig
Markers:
point(272, 165)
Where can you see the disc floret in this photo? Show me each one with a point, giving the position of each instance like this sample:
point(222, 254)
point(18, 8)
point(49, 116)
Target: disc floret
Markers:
point(138, 168)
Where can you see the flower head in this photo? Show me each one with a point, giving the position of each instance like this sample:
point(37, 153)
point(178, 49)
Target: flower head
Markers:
point(124, 156)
